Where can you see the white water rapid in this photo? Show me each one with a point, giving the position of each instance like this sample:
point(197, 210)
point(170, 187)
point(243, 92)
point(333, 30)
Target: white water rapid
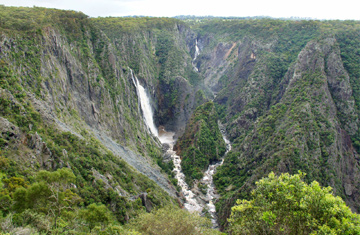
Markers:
point(165, 137)
point(208, 180)
point(192, 202)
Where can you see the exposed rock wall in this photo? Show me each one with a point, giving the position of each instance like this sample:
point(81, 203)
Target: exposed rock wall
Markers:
point(305, 129)
point(84, 86)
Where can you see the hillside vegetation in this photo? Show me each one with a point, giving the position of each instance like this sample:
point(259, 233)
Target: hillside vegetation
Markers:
point(202, 142)
point(77, 157)
point(310, 209)
point(63, 88)
point(286, 91)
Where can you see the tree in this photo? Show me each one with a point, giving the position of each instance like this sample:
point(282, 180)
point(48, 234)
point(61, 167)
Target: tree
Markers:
point(96, 214)
point(49, 195)
point(58, 183)
point(285, 204)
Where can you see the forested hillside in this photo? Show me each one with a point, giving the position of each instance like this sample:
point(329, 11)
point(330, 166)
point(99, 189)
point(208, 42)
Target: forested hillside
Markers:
point(287, 92)
point(77, 156)
point(75, 152)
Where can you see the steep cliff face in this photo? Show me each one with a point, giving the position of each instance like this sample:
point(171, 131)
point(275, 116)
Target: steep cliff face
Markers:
point(303, 130)
point(287, 102)
point(77, 77)
point(288, 97)
point(158, 50)
point(68, 100)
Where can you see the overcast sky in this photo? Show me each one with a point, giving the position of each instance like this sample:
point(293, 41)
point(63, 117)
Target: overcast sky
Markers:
point(319, 9)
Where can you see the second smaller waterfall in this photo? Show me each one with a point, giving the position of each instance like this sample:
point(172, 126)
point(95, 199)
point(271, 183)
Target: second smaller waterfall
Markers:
point(197, 53)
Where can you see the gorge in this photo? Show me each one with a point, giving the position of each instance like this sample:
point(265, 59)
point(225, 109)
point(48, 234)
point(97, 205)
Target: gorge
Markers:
point(148, 113)
point(191, 203)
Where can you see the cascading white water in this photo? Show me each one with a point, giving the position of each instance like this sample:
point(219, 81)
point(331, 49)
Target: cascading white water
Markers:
point(208, 180)
point(197, 51)
point(145, 105)
point(192, 204)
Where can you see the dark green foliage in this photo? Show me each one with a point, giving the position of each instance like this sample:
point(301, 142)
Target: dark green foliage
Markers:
point(194, 78)
point(349, 43)
point(293, 36)
point(202, 142)
point(50, 195)
point(96, 214)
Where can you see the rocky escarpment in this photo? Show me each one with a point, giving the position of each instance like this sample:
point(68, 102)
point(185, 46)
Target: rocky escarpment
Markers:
point(69, 97)
point(304, 131)
point(83, 85)
point(160, 56)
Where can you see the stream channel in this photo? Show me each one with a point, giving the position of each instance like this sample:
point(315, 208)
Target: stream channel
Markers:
point(193, 202)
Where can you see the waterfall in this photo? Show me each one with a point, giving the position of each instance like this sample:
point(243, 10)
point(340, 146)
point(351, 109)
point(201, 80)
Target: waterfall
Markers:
point(197, 53)
point(145, 105)
point(192, 202)
point(167, 138)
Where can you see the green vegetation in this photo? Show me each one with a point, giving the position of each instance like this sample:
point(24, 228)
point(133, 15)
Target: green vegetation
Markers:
point(282, 109)
point(25, 19)
point(50, 205)
point(98, 182)
point(349, 43)
point(172, 221)
point(83, 158)
point(116, 26)
point(275, 101)
point(202, 142)
point(285, 204)
point(96, 214)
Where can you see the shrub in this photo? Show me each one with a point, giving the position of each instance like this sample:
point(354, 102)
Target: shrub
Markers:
point(172, 221)
point(286, 205)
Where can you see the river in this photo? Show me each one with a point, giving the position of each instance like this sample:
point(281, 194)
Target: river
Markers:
point(194, 202)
